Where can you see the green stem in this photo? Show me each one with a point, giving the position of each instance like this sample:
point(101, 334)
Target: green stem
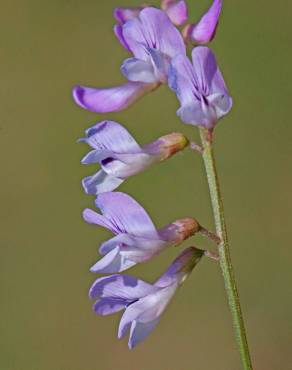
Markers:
point(223, 247)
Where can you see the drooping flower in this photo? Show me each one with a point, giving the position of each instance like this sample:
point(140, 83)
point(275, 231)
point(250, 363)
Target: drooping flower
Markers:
point(120, 156)
point(143, 303)
point(136, 238)
point(200, 88)
point(154, 41)
point(205, 30)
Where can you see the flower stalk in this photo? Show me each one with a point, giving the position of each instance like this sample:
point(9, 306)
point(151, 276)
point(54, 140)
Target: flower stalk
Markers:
point(194, 146)
point(223, 248)
point(208, 234)
point(212, 255)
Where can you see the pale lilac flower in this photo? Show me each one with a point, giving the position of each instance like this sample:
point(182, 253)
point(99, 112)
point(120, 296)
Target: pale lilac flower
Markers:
point(205, 30)
point(154, 41)
point(143, 303)
point(136, 238)
point(200, 88)
point(120, 156)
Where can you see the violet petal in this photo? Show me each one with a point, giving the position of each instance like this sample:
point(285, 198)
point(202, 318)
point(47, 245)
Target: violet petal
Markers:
point(138, 70)
point(121, 239)
point(122, 15)
point(94, 218)
point(120, 286)
point(124, 212)
point(176, 10)
point(108, 306)
point(112, 99)
point(146, 309)
point(111, 136)
point(205, 30)
point(140, 330)
point(95, 156)
point(118, 31)
point(112, 262)
point(101, 182)
point(200, 88)
point(153, 29)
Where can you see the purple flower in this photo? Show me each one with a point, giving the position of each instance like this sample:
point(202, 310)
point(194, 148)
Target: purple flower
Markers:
point(120, 156)
point(143, 303)
point(200, 88)
point(136, 238)
point(205, 30)
point(153, 41)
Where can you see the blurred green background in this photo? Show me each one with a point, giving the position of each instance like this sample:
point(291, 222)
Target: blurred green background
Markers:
point(46, 321)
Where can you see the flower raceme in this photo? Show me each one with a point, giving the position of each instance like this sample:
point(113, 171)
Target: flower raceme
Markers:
point(200, 88)
point(159, 56)
point(143, 303)
point(154, 41)
point(136, 238)
point(120, 156)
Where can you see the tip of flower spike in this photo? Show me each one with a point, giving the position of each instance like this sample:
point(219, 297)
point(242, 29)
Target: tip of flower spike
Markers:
point(172, 143)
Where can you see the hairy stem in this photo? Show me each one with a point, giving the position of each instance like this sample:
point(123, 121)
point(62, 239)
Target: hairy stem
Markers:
point(223, 248)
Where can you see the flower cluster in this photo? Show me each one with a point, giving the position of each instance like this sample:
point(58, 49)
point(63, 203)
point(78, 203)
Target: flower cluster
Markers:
point(159, 55)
